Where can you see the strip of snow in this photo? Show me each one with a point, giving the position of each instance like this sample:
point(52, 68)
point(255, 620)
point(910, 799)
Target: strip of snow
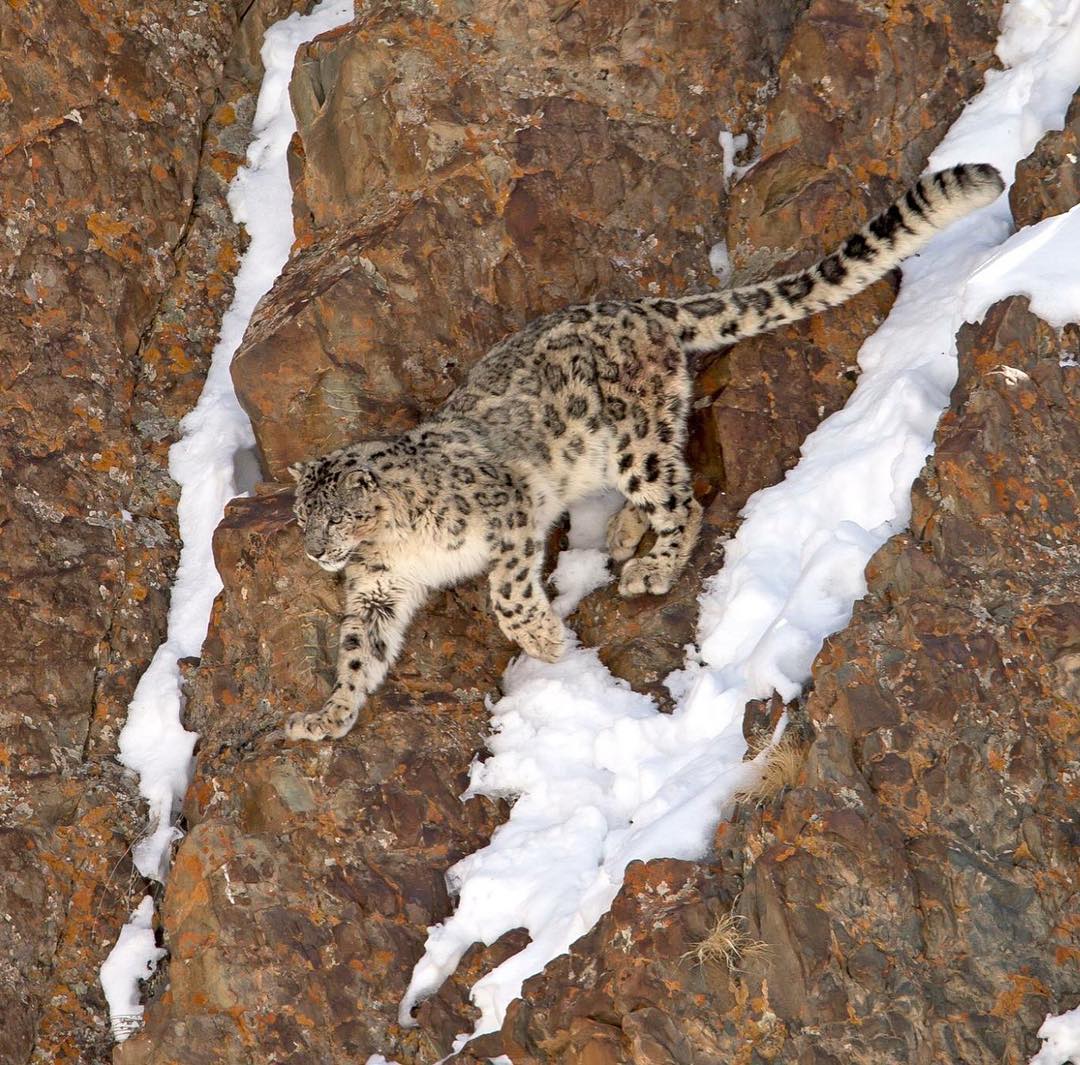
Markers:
point(214, 460)
point(1061, 1040)
point(134, 957)
point(600, 777)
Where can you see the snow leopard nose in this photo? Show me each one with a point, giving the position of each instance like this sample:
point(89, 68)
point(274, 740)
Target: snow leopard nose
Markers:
point(315, 549)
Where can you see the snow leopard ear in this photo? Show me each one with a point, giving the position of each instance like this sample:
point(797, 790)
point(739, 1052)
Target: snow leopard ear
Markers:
point(358, 480)
point(296, 471)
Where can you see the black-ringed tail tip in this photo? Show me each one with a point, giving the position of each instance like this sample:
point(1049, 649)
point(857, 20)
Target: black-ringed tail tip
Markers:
point(935, 201)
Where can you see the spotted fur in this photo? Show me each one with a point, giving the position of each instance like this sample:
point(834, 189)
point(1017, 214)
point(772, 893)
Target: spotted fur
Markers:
point(589, 397)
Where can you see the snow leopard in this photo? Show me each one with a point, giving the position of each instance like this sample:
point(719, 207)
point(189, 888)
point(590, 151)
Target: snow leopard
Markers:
point(590, 397)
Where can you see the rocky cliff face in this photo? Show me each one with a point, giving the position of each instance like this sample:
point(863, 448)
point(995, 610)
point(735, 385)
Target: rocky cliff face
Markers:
point(915, 890)
point(457, 171)
point(113, 120)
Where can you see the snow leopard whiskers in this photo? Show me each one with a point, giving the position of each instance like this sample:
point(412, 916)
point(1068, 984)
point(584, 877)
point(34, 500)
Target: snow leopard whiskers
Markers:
point(590, 397)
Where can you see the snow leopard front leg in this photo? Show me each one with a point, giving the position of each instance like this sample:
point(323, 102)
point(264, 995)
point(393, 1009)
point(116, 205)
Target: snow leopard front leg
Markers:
point(517, 592)
point(378, 609)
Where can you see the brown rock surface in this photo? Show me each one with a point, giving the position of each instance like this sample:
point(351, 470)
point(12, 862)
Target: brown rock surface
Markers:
point(456, 172)
point(112, 121)
point(1048, 180)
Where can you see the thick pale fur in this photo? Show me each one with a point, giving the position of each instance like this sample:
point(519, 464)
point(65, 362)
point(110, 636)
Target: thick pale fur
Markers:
point(590, 397)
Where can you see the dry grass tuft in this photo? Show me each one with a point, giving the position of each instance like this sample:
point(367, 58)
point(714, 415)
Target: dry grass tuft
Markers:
point(727, 945)
point(783, 763)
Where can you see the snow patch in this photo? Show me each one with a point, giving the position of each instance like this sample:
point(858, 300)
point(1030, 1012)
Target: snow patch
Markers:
point(585, 567)
point(720, 262)
point(134, 957)
point(1061, 1039)
point(1040, 262)
point(730, 146)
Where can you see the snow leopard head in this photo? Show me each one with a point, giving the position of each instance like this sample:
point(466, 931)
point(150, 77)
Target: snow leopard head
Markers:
point(341, 507)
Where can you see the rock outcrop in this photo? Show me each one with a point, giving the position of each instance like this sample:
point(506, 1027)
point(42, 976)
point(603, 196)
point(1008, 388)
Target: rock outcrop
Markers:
point(1048, 180)
point(457, 172)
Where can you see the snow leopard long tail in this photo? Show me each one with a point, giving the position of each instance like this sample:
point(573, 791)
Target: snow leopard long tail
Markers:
point(711, 320)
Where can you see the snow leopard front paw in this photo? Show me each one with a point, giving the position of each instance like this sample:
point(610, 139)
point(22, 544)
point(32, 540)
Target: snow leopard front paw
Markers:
point(651, 575)
point(544, 639)
point(624, 532)
point(331, 722)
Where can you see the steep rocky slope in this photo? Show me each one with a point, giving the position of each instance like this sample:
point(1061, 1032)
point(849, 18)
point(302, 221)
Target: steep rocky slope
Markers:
point(916, 890)
point(457, 171)
point(120, 127)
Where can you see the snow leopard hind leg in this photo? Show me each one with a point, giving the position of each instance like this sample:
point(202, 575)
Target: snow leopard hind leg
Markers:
point(668, 505)
point(651, 471)
point(647, 400)
point(516, 535)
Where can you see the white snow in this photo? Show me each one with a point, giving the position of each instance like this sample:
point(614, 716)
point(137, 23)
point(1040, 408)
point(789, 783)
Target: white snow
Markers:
point(720, 262)
point(1061, 1039)
point(584, 567)
point(600, 778)
point(134, 957)
point(1038, 262)
point(214, 460)
point(730, 146)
